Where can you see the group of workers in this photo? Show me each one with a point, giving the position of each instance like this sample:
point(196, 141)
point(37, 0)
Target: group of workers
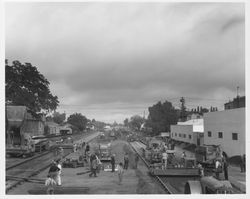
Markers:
point(54, 174)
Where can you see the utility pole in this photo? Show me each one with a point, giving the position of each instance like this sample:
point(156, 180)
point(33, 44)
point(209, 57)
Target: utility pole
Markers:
point(183, 110)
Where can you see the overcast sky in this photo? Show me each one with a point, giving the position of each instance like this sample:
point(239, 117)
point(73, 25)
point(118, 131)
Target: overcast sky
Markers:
point(110, 61)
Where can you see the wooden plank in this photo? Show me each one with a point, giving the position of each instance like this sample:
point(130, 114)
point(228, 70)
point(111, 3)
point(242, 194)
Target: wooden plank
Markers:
point(59, 190)
point(175, 172)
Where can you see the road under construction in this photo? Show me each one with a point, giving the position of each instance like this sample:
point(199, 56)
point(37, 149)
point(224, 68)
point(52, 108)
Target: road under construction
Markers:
point(27, 176)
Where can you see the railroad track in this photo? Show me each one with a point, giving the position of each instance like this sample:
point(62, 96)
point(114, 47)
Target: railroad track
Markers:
point(177, 183)
point(167, 187)
point(25, 170)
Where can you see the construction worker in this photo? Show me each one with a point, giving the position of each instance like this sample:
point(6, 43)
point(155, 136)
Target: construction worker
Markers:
point(50, 183)
point(58, 177)
point(126, 161)
point(183, 156)
point(53, 170)
point(165, 159)
point(112, 161)
point(218, 168)
point(136, 160)
point(93, 165)
point(61, 152)
point(201, 170)
point(87, 149)
point(225, 168)
point(120, 173)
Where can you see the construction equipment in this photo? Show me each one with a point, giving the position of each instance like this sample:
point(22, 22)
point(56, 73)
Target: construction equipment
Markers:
point(208, 185)
point(73, 160)
point(207, 154)
point(105, 152)
point(176, 168)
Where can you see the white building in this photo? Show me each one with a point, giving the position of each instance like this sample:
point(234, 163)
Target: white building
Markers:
point(227, 129)
point(190, 131)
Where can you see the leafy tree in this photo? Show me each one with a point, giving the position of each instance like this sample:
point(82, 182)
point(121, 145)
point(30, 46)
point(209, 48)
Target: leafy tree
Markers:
point(25, 85)
point(161, 116)
point(78, 120)
point(135, 122)
point(59, 118)
point(126, 122)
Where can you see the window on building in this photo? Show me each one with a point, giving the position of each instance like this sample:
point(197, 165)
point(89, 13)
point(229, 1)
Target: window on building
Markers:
point(209, 134)
point(184, 135)
point(220, 135)
point(190, 136)
point(235, 136)
point(175, 134)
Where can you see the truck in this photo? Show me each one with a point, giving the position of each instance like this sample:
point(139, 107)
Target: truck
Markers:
point(207, 154)
point(105, 152)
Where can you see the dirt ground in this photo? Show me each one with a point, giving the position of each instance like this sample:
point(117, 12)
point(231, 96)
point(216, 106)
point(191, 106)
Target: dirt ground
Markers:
point(135, 181)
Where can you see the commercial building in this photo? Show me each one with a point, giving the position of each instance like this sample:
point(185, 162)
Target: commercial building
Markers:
point(227, 129)
point(190, 131)
point(237, 102)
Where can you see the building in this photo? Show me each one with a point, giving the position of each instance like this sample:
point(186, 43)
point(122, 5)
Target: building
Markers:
point(52, 128)
point(227, 129)
point(190, 132)
point(237, 102)
point(21, 126)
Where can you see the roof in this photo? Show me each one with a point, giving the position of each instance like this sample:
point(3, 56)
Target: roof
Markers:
point(16, 115)
point(51, 124)
point(198, 124)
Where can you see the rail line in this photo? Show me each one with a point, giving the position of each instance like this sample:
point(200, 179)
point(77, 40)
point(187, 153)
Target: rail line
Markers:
point(177, 183)
point(166, 186)
point(27, 160)
point(23, 171)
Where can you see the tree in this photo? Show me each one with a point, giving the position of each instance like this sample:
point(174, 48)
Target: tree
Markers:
point(25, 85)
point(59, 118)
point(161, 116)
point(78, 120)
point(126, 122)
point(135, 122)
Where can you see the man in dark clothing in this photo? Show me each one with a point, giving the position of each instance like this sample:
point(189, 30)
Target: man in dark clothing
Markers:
point(136, 160)
point(243, 163)
point(225, 168)
point(126, 160)
point(112, 161)
point(93, 165)
point(87, 149)
point(53, 170)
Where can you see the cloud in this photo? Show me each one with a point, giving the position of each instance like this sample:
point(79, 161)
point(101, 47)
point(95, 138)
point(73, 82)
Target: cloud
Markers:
point(130, 54)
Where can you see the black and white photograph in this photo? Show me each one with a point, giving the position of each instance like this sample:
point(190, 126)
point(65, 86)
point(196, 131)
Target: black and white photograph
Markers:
point(124, 97)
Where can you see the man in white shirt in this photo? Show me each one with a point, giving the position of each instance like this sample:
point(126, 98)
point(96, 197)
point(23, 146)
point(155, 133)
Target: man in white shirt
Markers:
point(165, 158)
point(58, 179)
